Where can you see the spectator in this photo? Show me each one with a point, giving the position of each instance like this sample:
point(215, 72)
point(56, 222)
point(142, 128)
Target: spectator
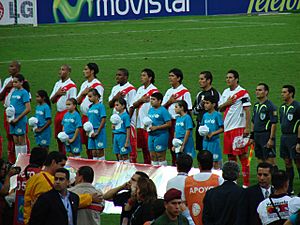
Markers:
point(172, 215)
point(222, 204)
point(125, 195)
point(57, 206)
point(257, 193)
point(275, 210)
point(83, 184)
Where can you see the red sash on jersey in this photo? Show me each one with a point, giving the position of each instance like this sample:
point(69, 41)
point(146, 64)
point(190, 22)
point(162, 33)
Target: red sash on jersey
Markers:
point(48, 180)
point(236, 96)
point(179, 94)
point(127, 90)
point(96, 207)
point(66, 88)
point(92, 86)
point(148, 94)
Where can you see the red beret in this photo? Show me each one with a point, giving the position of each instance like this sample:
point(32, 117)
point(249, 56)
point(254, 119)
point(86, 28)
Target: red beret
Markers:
point(172, 194)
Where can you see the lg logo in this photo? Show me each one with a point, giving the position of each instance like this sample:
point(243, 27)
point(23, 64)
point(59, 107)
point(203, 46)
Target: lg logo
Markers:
point(26, 10)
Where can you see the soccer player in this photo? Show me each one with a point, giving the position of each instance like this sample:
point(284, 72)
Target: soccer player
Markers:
point(141, 105)
point(205, 82)
point(127, 91)
point(173, 94)
point(290, 128)
point(235, 103)
point(90, 72)
point(64, 89)
point(264, 121)
point(5, 94)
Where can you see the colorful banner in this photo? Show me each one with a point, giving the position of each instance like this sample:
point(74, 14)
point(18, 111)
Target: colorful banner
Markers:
point(18, 12)
point(111, 174)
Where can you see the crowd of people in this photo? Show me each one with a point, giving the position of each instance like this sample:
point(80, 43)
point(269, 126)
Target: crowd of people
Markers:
point(155, 122)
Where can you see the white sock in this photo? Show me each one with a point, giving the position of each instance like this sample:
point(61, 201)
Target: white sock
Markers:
point(95, 158)
point(18, 150)
point(77, 156)
point(102, 158)
point(154, 163)
point(23, 149)
point(127, 161)
point(163, 163)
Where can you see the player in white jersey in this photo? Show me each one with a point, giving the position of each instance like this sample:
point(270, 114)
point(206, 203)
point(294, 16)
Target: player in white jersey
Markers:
point(5, 94)
point(63, 89)
point(173, 94)
point(235, 103)
point(90, 72)
point(141, 106)
point(127, 91)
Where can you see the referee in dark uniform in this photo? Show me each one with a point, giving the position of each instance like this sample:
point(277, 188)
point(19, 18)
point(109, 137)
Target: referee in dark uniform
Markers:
point(290, 129)
point(205, 82)
point(264, 121)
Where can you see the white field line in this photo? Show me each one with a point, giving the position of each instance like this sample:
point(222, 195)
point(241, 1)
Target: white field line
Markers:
point(149, 55)
point(136, 31)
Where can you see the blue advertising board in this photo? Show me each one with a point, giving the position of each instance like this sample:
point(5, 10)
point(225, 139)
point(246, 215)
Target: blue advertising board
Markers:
point(57, 11)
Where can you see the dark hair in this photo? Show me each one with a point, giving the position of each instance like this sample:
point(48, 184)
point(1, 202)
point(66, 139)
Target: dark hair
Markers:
point(183, 104)
point(178, 73)
point(211, 98)
point(279, 178)
point(184, 162)
point(94, 67)
point(291, 89)
point(95, 92)
point(65, 171)
point(207, 75)
point(150, 73)
point(266, 87)
point(231, 171)
point(142, 174)
point(37, 159)
point(265, 165)
point(158, 96)
point(235, 74)
point(147, 189)
point(87, 173)
point(205, 159)
point(25, 84)
point(74, 102)
point(124, 71)
point(56, 156)
point(44, 95)
point(68, 67)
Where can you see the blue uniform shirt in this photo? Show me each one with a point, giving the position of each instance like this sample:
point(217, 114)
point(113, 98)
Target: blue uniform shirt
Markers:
point(183, 123)
point(95, 114)
point(290, 118)
point(125, 123)
point(264, 115)
point(42, 113)
point(159, 117)
point(71, 122)
point(213, 121)
point(18, 99)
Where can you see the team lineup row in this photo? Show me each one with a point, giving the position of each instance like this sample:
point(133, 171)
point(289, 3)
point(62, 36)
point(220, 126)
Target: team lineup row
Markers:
point(144, 118)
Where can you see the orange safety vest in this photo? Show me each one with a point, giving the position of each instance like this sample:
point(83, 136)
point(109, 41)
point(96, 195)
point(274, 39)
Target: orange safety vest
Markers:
point(194, 194)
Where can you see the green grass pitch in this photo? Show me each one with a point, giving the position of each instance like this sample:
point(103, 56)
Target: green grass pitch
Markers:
point(261, 48)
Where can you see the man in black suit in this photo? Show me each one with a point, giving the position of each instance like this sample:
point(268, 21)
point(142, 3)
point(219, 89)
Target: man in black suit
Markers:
point(222, 204)
point(57, 206)
point(257, 193)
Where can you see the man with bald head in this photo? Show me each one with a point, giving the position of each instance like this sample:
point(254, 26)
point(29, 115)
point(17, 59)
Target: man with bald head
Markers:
point(63, 89)
point(5, 93)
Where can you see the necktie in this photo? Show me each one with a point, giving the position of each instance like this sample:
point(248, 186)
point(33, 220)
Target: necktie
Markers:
point(267, 194)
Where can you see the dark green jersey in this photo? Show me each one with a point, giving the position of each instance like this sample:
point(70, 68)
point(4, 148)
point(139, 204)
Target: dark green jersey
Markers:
point(290, 118)
point(264, 115)
point(164, 220)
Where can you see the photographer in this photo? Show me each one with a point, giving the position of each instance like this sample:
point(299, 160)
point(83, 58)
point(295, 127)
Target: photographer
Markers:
point(5, 175)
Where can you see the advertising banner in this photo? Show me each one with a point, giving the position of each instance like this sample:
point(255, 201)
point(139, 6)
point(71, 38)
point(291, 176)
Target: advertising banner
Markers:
point(57, 11)
point(18, 12)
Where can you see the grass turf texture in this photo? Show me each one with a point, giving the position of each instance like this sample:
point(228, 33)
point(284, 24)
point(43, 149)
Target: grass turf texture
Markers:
point(261, 48)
